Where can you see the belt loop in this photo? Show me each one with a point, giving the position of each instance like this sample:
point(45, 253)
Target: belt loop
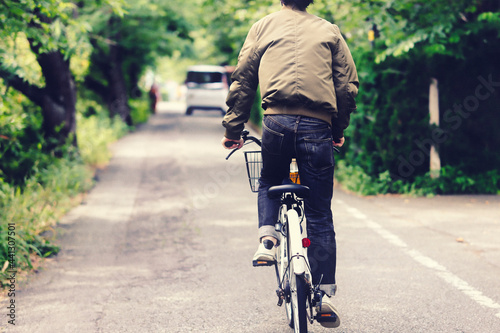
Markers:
point(297, 121)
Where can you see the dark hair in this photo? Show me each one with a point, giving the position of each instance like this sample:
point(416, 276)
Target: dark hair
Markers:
point(299, 4)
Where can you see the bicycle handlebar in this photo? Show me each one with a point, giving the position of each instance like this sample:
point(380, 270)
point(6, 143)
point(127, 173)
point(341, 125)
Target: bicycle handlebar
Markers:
point(246, 137)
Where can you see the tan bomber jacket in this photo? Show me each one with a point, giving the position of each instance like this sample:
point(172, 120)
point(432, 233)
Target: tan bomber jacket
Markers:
point(303, 66)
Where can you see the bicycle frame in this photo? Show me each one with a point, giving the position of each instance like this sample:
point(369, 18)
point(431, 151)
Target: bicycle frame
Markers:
point(296, 250)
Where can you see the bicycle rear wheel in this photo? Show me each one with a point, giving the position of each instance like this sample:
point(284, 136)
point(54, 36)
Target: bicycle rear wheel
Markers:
point(298, 300)
point(295, 288)
point(284, 276)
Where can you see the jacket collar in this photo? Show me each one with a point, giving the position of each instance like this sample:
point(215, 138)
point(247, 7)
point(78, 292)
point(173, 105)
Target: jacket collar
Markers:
point(285, 7)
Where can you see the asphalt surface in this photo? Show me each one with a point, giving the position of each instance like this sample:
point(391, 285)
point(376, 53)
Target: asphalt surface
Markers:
point(164, 243)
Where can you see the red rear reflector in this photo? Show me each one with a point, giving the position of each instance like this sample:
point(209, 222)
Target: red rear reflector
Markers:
point(326, 315)
point(306, 242)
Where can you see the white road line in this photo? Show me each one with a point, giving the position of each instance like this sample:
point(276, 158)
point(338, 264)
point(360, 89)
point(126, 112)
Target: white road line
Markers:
point(441, 271)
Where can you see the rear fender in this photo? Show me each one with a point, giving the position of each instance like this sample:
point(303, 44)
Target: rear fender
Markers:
point(297, 252)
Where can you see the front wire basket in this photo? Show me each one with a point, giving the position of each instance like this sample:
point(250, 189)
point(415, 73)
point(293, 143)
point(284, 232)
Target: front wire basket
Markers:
point(254, 166)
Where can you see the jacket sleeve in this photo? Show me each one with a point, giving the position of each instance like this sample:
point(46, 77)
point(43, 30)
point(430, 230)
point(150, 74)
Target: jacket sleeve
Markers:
point(346, 83)
point(243, 87)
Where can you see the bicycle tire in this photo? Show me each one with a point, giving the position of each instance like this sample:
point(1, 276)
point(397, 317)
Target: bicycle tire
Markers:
point(282, 260)
point(298, 300)
point(296, 287)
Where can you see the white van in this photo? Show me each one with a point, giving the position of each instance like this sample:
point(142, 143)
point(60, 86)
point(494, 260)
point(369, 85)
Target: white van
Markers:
point(207, 88)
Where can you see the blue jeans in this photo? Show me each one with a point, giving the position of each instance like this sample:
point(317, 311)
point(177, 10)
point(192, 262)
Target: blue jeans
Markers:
point(309, 140)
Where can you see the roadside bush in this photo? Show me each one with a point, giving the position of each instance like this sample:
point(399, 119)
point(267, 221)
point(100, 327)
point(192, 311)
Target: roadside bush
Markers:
point(140, 110)
point(36, 187)
point(95, 133)
point(22, 146)
point(451, 181)
point(37, 206)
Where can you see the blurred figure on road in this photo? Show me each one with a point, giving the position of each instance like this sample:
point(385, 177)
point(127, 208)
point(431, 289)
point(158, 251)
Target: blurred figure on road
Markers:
point(154, 96)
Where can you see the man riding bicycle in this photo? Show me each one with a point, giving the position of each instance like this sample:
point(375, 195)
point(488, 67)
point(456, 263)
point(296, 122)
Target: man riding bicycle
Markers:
point(308, 84)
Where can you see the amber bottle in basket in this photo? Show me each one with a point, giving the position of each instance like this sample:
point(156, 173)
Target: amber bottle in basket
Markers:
point(294, 172)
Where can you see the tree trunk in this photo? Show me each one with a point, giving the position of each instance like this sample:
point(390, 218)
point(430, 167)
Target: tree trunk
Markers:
point(107, 78)
point(117, 97)
point(59, 98)
point(134, 72)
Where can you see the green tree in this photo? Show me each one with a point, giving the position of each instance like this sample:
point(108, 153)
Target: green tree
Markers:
point(226, 24)
point(44, 52)
point(124, 47)
point(53, 35)
point(454, 42)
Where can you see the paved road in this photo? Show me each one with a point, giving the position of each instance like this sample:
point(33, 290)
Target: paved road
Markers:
point(164, 243)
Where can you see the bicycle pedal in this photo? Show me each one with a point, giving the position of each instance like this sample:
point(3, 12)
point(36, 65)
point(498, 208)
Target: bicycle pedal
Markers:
point(326, 317)
point(259, 263)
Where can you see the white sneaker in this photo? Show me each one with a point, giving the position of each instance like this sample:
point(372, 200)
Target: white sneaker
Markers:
point(265, 252)
point(327, 310)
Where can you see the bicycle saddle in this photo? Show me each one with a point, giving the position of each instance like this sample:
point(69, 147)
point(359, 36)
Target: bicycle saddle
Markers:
point(276, 191)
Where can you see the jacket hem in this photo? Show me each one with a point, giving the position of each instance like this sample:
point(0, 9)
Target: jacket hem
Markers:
point(298, 111)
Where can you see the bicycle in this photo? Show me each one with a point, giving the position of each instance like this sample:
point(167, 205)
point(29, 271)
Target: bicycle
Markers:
point(293, 272)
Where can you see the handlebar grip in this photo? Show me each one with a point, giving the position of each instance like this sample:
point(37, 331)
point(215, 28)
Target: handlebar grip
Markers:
point(230, 143)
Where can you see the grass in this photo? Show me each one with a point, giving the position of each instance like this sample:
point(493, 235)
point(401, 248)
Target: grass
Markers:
point(28, 212)
point(94, 134)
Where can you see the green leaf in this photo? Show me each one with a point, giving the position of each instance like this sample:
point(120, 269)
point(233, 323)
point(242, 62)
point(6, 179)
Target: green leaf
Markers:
point(489, 17)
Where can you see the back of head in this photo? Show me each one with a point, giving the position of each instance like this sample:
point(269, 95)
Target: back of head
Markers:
point(298, 4)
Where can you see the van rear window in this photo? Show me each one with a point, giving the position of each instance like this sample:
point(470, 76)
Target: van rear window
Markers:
point(204, 77)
